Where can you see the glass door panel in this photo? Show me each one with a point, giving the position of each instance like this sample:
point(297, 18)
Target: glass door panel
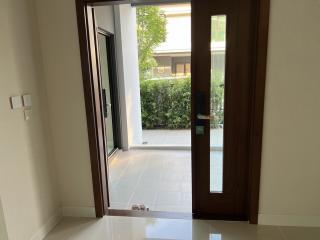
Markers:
point(106, 93)
point(218, 51)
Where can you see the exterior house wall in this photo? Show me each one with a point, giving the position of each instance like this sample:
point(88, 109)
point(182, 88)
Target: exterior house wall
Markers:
point(164, 60)
point(181, 59)
point(164, 68)
point(178, 38)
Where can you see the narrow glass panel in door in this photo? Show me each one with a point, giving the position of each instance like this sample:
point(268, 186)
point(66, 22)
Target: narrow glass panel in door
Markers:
point(106, 93)
point(218, 52)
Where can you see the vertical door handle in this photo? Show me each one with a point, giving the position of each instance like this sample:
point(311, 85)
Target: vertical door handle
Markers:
point(104, 103)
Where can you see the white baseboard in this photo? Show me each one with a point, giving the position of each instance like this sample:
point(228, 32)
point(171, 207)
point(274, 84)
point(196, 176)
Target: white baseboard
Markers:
point(47, 227)
point(79, 212)
point(289, 220)
point(3, 226)
point(64, 212)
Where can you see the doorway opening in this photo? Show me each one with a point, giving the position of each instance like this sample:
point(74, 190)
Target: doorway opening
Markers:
point(152, 171)
point(229, 42)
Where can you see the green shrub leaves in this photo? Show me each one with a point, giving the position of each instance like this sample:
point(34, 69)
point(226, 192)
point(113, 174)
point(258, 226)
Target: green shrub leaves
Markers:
point(166, 103)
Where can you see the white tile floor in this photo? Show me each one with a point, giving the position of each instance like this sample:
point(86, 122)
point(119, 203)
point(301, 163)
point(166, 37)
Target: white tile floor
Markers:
point(178, 137)
point(126, 228)
point(160, 179)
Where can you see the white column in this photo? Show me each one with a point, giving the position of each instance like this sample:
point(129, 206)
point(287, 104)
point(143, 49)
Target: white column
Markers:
point(128, 74)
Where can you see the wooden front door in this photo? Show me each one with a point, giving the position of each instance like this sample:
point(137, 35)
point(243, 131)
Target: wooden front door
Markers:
point(222, 50)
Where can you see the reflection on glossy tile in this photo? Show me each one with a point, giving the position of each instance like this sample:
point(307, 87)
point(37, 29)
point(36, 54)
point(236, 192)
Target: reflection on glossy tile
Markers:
point(148, 196)
point(167, 198)
point(301, 233)
point(130, 228)
point(179, 137)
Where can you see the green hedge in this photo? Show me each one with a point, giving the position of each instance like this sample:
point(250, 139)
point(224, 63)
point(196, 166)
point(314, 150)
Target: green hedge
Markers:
point(166, 103)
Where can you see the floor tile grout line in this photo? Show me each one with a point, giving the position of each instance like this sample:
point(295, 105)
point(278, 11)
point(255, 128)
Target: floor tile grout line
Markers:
point(124, 169)
point(136, 185)
point(120, 176)
point(283, 235)
point(129, 161)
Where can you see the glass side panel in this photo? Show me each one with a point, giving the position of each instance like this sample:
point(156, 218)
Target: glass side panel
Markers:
point(106, 91)
point(218, 50)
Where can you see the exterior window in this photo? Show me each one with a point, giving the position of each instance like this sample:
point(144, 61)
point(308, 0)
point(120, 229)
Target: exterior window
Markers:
point(188, 69)
point(160, 69)
point(180, 69)
point(183, 69)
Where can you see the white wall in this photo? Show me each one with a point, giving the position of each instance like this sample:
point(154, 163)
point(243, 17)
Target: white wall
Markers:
point(128, 74)
point(62, 70)
point(63, 80)
point(28, 192)
point(290, 192)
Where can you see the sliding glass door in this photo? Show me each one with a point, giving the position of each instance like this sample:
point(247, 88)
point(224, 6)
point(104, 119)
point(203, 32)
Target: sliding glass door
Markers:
point(108, 91)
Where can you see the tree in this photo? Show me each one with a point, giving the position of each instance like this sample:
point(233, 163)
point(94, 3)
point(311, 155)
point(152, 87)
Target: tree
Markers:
point(151, 31)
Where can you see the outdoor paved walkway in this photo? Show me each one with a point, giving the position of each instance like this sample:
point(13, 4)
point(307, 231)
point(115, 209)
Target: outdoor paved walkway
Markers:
point(178, 137)
point(160, 179)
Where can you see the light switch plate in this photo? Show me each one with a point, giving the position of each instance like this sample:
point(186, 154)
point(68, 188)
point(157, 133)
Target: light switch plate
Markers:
point(27, 101)
point(16, 102)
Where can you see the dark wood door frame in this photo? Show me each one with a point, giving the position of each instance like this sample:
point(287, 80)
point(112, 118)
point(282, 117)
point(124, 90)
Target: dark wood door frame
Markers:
point(93, 111)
